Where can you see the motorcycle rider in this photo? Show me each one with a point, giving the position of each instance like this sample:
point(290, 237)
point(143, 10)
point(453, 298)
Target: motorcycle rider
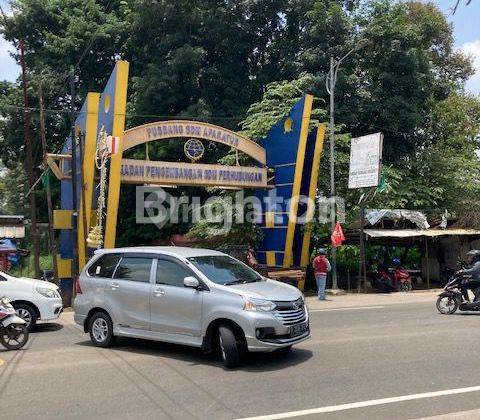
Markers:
point(473, 283)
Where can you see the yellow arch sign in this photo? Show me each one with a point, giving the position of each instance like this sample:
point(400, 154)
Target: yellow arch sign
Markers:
point(176, 173)
point(163, 130)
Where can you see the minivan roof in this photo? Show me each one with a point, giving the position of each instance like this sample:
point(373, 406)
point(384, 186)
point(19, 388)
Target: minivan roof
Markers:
point(179, 251)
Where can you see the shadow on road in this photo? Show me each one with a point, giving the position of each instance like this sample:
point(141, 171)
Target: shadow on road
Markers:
point(264, 362)
point(254, 362)
point(46, 327)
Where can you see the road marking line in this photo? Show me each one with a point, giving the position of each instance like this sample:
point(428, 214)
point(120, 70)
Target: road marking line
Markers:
point(362, 404)
point(459, 415)
point(353, 308)
point(2, 362)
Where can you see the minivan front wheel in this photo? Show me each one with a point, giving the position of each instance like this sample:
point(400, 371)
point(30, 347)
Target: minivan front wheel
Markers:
point(229, 347)
point(101, 330)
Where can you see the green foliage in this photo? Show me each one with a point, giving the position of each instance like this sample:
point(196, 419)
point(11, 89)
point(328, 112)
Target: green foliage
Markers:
point(11, 124)
point(347, 259)
point(57, 35)
point(27, 269)
point(275, 104)
point(228, 229)
point(207, 59)
point(13, 190)
point(445, 173)
point(406, 66)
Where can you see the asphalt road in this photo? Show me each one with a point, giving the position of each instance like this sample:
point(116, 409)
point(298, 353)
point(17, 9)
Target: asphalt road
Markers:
point(354, 356)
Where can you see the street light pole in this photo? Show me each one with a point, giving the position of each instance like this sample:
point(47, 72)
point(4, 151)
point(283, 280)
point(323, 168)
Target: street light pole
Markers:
point(330, 85)
point(332, 80)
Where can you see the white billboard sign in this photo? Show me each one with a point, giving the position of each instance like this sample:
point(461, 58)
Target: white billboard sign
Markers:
point(365, 161)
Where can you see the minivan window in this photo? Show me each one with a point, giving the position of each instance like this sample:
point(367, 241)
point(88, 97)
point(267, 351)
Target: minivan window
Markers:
point(2, 278)
point(222, 269)
point(134, 269)
point(104, 266)
point(171, 273)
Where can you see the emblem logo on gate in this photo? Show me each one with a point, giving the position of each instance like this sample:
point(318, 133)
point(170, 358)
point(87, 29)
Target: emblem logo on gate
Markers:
point(194, 149)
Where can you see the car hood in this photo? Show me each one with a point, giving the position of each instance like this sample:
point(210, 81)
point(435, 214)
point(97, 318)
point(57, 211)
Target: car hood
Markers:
point(269, 289)
point(37, 283)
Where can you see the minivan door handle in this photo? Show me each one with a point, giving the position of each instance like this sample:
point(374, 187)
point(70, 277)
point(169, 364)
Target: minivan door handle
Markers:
point(114, 286)
point(159, 292)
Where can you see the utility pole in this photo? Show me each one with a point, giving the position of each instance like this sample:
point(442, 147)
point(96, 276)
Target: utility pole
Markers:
point(362, 266)
point(53, 247)
point(29, 163)
point(81, 148)
point(74, 178)
point(362, 274)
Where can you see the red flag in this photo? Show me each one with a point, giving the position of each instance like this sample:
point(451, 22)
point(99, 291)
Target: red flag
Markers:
point(337, 235)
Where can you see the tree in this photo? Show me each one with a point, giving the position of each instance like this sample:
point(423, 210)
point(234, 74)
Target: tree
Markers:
point(208, 59)
point(275, 104)
point(59, 35)
point(390, 85)
point(13, 190)
point(445, 174)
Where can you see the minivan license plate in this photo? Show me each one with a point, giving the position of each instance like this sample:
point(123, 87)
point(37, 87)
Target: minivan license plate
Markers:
point(298, 329)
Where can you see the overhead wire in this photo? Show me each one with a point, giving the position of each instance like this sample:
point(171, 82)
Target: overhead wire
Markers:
point(170, 117)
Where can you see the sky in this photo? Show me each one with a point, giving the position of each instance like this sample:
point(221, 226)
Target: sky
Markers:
point(466, 25)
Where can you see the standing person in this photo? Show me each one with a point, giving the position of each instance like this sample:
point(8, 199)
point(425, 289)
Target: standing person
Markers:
point(321, 266)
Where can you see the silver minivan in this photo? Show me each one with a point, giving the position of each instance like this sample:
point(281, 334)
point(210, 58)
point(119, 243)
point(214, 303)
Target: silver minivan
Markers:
point(190, 296)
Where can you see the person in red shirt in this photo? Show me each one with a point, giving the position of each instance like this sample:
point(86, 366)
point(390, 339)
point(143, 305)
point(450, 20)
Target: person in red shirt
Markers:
point(321, 266)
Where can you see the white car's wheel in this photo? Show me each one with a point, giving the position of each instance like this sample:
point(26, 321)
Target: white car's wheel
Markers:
point(27, 313)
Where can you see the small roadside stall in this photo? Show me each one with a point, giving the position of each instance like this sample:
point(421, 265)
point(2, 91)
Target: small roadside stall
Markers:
point(440, 247)
point(12, 228)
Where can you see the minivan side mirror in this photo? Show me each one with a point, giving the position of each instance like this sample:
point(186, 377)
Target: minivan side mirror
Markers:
point(191, 282)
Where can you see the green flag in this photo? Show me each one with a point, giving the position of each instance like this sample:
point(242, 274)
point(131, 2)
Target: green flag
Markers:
point(46, 179)
point(383, 185)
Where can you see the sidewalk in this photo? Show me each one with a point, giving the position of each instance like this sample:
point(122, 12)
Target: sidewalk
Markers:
point(372, 299)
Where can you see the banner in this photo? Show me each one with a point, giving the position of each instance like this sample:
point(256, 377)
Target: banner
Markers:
point(365, 161)
point(163, 130)
point(179, 173)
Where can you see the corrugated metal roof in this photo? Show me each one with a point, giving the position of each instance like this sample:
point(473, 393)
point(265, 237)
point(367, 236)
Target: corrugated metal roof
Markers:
point(419, 233)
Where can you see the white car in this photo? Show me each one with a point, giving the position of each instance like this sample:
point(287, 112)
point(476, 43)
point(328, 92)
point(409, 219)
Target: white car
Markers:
point(32, 299)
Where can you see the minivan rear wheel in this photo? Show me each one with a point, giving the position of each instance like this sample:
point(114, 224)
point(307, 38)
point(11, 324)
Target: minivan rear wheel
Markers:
point(101, 330)
point(229, 347)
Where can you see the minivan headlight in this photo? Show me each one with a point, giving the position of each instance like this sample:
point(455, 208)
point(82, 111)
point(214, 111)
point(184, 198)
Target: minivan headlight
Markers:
point(253, 304)
point(49, 293)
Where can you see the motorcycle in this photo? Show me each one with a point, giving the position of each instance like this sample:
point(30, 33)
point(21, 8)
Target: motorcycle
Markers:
point(451, 299)
point(398, 281)
point(13, 329)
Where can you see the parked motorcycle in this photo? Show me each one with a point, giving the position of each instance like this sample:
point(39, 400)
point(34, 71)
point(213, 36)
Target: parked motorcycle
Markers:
point(451, 299)
point(398, 281)
point(13, 329)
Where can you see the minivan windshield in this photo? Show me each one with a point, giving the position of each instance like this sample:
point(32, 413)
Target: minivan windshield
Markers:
point(222, 269)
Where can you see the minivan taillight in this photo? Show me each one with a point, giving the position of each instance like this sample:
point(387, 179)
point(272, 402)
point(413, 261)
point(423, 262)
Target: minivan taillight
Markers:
point(78, 289)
